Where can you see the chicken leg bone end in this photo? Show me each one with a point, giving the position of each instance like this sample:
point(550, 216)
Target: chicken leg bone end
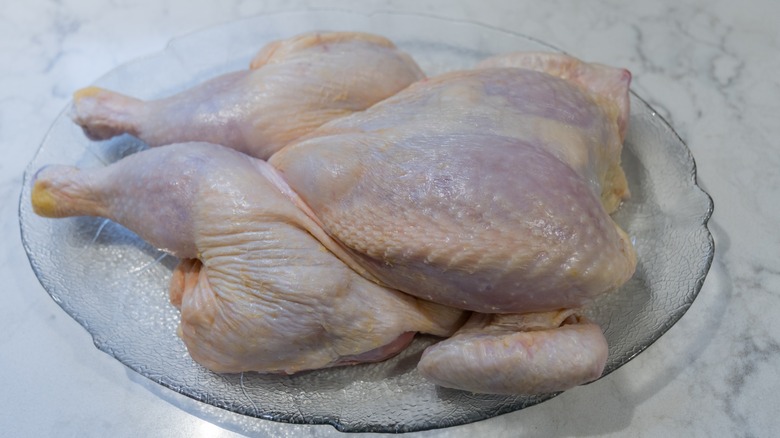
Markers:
point(103, 114)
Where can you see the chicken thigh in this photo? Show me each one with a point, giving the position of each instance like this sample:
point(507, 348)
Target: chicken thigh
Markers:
point(292, 87)
point(257, 291)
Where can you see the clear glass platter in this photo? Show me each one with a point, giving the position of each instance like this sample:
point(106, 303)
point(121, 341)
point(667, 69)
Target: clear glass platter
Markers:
point(115, 285)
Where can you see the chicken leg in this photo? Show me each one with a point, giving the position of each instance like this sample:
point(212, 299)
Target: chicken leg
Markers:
point(257, 291)
point(292, 87)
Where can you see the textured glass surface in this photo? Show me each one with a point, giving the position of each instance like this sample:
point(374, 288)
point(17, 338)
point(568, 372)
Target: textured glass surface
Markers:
point(115, 285)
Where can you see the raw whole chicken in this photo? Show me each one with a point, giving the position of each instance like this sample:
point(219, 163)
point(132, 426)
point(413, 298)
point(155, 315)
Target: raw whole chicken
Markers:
point(486, 190)
point(291, 87)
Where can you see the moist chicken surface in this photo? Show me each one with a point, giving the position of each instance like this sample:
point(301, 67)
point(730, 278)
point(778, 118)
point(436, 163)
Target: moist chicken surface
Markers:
point(292, 86)
point(486, 190)
point(257, 291)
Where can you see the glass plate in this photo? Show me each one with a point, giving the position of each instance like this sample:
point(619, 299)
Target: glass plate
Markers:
point(115, 285)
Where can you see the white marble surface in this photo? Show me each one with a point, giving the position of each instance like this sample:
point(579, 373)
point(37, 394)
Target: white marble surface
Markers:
point(709, 66)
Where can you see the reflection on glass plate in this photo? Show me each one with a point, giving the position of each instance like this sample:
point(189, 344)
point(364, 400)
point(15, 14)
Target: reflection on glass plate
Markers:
point(115, 285)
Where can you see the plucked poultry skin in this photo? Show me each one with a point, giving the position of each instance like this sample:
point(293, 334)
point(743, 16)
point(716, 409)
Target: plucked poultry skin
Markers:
point(486, 190)
point(478, 189)
point(257, 291)
point(292, 86)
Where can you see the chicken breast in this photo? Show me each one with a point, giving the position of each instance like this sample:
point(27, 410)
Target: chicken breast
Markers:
point(482, 189)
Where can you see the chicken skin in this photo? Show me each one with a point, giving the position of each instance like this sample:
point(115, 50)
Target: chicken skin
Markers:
point(257, 291)
point(291, 87)
point(487, 190)
point(480, 189)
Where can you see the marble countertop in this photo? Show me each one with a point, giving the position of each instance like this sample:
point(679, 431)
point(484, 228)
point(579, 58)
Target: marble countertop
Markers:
point(710, 67)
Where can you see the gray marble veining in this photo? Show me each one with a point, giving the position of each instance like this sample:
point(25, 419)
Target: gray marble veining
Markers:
point(709, 67)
